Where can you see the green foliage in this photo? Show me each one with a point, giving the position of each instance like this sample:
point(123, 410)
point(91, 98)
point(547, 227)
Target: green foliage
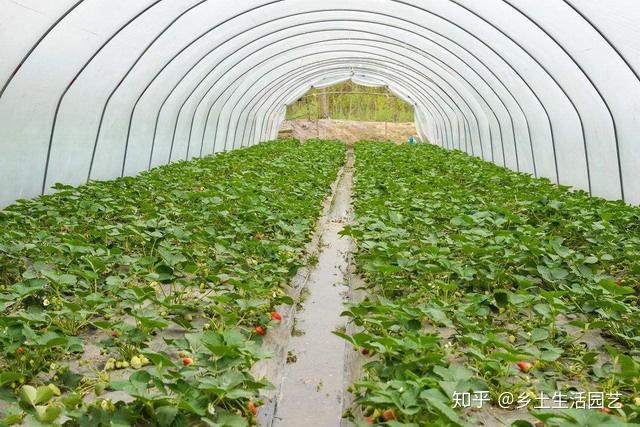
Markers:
point(473, 268)
point(348, 101)
point(150, 287)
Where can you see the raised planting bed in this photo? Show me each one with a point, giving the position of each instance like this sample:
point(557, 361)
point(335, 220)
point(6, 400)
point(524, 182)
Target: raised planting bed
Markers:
point(144, 300)
point(485, 283)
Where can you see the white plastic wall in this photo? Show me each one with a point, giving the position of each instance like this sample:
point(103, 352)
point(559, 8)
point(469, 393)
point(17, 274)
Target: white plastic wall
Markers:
point(97, 89)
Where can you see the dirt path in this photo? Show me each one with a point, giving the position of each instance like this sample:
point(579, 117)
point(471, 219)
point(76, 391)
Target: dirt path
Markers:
point(313, 381)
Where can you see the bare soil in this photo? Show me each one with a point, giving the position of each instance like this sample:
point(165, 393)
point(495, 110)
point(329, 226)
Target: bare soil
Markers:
point(347, 130)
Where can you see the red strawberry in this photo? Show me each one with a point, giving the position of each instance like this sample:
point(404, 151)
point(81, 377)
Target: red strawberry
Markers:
point(605, 410)
point(369, 420)
point(276, 316)
point(389, 415)
point(524, 366)
point(261, 330)
point(186, 361)
point(115, 334)
point(252, 408)
point(365, 351)
point(19, 350)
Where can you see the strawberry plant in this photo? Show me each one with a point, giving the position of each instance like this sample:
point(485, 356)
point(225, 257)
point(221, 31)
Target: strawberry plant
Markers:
point(483, 279)
point(134, 301)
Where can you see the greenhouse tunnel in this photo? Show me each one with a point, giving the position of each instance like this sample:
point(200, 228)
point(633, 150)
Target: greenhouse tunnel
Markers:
point(184, 241)
point(94, 90)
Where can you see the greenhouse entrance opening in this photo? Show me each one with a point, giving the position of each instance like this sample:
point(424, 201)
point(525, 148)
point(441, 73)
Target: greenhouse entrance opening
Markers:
point(350, 112)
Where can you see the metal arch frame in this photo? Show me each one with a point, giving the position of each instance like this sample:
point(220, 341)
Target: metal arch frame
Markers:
point(506, 62)
point(445, 66)
point(424, 54)
point(304, 82)
point(279, 103)
point(437, 122)
point(277, 83)
point(595, 87)
point(70, 10)
point(340, 39)
point(36, 44)
point(604, 37)
point(465, 124)
point(268, 4)
point(488, 85)
point(159, 72)
point(386, 24)
point(461, 113)
point(180, 80)
point(350, 39)
point(452, 53)
point(476, 57)
point(286, 79)
point(244, 12)
point(566, 94)
point(353, 51)
point(622, 57)
point(343, 65)
point(488, 105)
point(442, 35)
point(435, 105)
point(310, 79)
point(124, 77)
point(495, 52)
point(75, 77)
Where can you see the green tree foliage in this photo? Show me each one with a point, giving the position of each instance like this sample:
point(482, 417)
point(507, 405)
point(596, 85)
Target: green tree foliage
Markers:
point(348, 101)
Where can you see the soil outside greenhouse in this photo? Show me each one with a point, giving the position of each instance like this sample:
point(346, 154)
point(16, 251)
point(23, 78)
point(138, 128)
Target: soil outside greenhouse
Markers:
point(348, 130)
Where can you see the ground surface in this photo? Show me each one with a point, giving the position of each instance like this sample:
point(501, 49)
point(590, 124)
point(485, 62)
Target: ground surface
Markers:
point(146, 300)
point(313, 383)
point(448, 285)
point(348, 131)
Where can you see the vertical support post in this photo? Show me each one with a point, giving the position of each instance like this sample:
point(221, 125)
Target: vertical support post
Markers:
point(386, 118)
point(318, 117)
point(323, 104)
